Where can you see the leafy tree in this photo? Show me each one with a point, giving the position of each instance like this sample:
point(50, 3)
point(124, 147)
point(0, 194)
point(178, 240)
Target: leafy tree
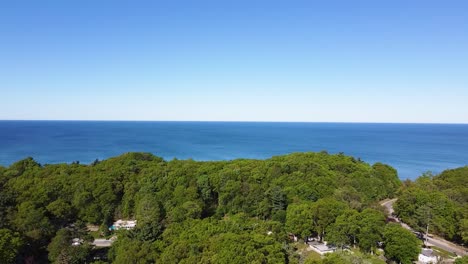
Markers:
point(185, 209)
point(278, 199)
point(462, 260)
point(400, 244)
point(61, 249)
point(438, 201)
point(32, 221)
point(61, 209)
point(10, 243)
point(325, 211)
point(345, 229)
point(299, 219)
point(243, 248)
point(464, 229)
point(390, 179)
point(127, 251)
point(371, 223)
point(61, 240)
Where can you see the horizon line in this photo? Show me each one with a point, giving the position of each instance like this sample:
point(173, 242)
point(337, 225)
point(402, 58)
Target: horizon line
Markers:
point(230, 121)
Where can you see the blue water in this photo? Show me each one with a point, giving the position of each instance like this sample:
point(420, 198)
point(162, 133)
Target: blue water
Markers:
point(410, 148)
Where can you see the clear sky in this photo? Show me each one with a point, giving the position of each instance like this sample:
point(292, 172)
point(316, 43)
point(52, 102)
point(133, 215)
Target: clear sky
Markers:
point(332, 61)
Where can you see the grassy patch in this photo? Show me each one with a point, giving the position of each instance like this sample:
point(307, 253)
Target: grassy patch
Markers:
point(443, 253)
point(311, 255)
point(306, 254)
point(95, 234)
point(300, 246)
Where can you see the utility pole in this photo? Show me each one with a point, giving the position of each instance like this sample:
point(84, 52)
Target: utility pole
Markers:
point(427, 232)
point(429, 216)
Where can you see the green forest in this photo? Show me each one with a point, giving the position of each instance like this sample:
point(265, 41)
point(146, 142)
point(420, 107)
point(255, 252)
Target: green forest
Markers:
point(439, 202)
point(239, 211)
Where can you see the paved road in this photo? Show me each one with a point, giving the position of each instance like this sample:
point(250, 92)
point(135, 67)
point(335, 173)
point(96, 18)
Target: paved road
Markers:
point(388, 205)
point(438, 242)
point(102, 242)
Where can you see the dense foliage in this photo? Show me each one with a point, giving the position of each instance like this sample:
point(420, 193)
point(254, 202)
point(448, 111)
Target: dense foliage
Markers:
point(462, 260)
point(440, 202)
point(238, 211)
point(400, 244)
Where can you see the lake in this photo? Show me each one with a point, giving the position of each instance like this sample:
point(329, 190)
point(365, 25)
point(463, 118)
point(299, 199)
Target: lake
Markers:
point(411, 148)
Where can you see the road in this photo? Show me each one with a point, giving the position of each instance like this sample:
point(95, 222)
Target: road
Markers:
point(435, 241)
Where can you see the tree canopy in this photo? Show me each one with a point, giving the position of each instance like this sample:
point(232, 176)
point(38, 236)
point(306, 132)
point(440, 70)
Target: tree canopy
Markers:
point(238, 211)
point(440, 202)
point(400, 244)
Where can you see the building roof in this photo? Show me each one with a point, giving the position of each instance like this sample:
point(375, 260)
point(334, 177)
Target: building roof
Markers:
point(427, 252)
point(322, 247)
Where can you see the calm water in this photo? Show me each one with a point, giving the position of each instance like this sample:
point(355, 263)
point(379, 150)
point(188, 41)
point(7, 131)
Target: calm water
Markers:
point(410, 148)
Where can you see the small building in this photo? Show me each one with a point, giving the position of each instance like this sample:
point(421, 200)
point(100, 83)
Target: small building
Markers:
point(427, 256)
point(321, 248)
point(123, 224)
point(77, 241)
point(102, 242)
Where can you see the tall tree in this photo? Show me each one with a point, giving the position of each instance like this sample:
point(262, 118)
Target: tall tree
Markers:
point(371, 223)
point(400, 244)
point(299, 217)
point(345, 229)
point(325, 211)
point(10, 243)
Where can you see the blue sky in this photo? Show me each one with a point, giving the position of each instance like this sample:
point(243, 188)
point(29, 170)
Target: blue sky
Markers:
point(325, 61)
